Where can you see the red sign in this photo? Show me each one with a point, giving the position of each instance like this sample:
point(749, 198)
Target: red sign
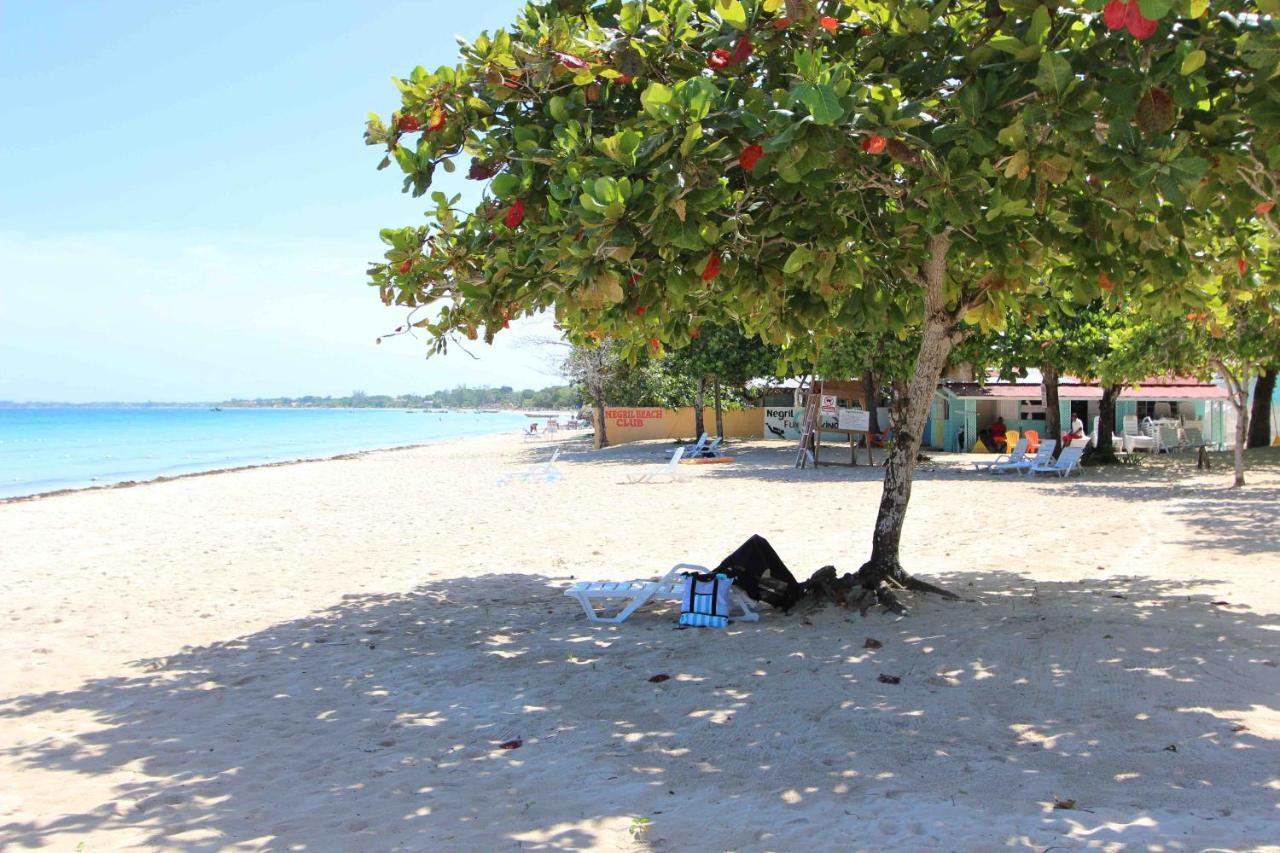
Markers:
point(632, 417)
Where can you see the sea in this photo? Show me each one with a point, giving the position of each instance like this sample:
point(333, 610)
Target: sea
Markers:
point(45, 449)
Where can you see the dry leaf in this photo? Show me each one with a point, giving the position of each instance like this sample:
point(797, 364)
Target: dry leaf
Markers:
point(872, 643)
point(659, 678)
point(1059, 803)
point(889, 679)
point(514, 743)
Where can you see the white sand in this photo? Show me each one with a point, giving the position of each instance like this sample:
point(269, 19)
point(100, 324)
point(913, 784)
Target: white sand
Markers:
point(326, 656)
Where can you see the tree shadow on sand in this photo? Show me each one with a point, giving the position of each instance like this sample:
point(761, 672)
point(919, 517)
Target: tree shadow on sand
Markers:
point(377, 724)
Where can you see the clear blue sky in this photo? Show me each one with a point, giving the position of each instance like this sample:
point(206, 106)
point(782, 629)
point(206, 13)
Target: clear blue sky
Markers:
point(187, 207)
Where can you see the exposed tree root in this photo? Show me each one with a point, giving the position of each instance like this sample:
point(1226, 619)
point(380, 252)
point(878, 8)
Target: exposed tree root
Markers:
point(870, 586)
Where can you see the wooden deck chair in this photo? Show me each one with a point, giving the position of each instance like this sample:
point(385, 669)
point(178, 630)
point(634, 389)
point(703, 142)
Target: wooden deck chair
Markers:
point(1018, 454)
point(1062, 466)
point(628, 596)
point(671, 469)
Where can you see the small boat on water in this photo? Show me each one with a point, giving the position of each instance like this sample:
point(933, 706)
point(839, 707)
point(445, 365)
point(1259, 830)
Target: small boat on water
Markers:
point(216, 409)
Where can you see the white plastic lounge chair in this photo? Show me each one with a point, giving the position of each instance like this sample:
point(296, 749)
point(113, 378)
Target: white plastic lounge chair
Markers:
point(1044, 454)
point(1018, 454)
point(692, 451)
point(711, 451)
point(1194, 438)
point(671, 470)
point(547, 471)
point(1066, 463)
point(1081, 442)
point(634, 594)
point(1167, 439)
point(1134, 438)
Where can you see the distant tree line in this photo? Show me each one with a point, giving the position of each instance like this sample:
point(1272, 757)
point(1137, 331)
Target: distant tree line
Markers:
point(463, 397)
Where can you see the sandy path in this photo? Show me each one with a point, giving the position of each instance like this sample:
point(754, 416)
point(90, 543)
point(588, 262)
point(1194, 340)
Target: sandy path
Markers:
point(326, 656)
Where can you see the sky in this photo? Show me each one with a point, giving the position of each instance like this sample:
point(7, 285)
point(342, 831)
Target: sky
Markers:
point(187, 206)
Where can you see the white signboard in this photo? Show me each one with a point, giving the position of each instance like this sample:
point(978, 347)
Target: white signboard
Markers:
point(783, 423)
point(855, 419)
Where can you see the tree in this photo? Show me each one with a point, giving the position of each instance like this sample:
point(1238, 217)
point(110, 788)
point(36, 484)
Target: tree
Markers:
point(592, 367)
point(722, 354)
point(1260, 416)
point(821, 169)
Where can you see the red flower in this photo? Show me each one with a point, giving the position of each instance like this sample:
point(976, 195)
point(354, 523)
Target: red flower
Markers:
point(712, 269)
point(623, 79)
point(655, 343)
point(1242, 264)
point(718, 59)
point(750, 156)
point(1138, 26)
point(634, 279)
point(1105, 282)
point(568, 60)
point(741, 51)
point(695, 333)
point(873, 144)
point(829, 24)
point(506, 324)
point(409, 124)
point(437, 121)
point(1262, 208)
point(782, 23)
point(1115, 14)
point(406, 265)
point(640, 311)
point(515, 214)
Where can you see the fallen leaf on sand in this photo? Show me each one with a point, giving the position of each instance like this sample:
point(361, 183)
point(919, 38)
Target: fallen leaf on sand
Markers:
point(872, 643)
point(1239, 727)
point(889, 679)
point(1220, 603)
point(1118, 595)
point(1173, 747)
point(1059, 803)
point(659, 678)
point(514, 743)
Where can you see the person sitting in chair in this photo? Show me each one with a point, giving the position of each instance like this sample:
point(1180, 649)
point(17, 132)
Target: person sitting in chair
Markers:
point(1077, 431)
point(993, 436)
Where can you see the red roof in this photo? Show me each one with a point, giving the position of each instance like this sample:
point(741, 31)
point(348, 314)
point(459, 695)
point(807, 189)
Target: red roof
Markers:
point(1165, 388)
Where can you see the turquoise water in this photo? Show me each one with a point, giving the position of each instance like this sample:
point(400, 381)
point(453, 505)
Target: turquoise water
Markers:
point(46, 449)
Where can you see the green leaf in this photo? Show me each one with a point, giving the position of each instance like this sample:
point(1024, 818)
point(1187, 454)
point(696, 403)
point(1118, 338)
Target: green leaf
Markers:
point(1154, 9)
point(798, 259)
point(1039, 26)
point(1054, 75)
point(1194, 61)
point(504, 185)
point(732, 14)
point(822, 102)
point(916, 18)
point(558, 108)
point(1269, 7)
point(691, 137)
point(656, 100)
point(631, 16)
point(1199, 7)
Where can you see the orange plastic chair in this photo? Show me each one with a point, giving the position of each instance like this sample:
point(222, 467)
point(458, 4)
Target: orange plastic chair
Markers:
point(1033, 440)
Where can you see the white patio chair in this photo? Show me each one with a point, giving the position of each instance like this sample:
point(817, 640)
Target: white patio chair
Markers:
point(671, 470)
point(547, 472)
point(1019, 453)
point(1062, 466)
point(1043, 455)
point(1134, 438)
point(692, 451)
point(629, 596)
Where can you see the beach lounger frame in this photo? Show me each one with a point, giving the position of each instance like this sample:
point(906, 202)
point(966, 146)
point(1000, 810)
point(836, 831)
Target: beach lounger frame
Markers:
point(636, 594)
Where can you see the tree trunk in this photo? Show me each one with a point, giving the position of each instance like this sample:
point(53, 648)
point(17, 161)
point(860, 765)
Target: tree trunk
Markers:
point(910, 411)
point(600, 438)
point(1238, 394)
point(872, 392)
point(715, 380)
point(1260, 417)
point(1049, 393)
point(699, 401)
point(1107, 421)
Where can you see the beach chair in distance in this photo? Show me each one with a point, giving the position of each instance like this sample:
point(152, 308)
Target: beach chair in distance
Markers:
point(691, 452)
point(629, 596)
point(1018, 454)
point(1062, 466)
point(1041, 456)
point(711, 451)
point(1033, 440)
point(670, 469)
point(546, 471)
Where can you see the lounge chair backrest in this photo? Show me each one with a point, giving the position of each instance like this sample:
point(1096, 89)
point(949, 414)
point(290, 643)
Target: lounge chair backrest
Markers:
point(676, 457)
point(1070, 458)
point(1019, 450)
point(1168, 436)
point(1044, 455)
point(1131, 425)
point(1194, 436)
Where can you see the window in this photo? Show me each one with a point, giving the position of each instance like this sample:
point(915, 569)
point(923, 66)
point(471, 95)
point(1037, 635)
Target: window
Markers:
point(1157, 409)
point(1031, 410)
